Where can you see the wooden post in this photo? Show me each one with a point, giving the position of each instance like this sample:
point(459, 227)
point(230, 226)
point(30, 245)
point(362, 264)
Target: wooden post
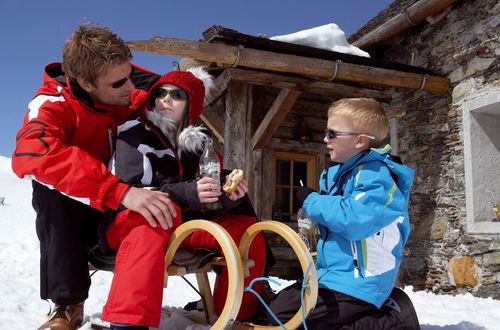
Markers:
point(235, 122)
point(268, 179)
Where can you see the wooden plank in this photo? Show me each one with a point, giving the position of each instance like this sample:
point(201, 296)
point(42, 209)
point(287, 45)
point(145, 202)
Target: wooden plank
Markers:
point(285, 132)
point(227, 36)
point(254, 157)
point(401, 22)
point(312, 67)
point(268, 179)
point(314, 110)
point(330, 89)
point(235, 124)
point(295, 146)
point(274, 117)
point(220, 87)
point(211, 118)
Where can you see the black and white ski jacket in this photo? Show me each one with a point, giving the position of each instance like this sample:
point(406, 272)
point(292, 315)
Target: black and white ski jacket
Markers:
point(147, 158)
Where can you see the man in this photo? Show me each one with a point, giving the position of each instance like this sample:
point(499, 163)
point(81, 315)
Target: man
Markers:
point(67, 139)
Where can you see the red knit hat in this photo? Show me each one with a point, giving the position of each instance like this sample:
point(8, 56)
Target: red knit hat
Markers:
point(193, 83)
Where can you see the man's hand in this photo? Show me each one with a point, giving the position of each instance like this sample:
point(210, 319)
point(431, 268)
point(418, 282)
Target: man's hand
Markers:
point(208, 190)
point(241, 190)
point(151, 205)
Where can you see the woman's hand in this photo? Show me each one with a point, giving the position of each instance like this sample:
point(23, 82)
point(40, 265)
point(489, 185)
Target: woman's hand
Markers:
point(241, 190)
point(208, 190)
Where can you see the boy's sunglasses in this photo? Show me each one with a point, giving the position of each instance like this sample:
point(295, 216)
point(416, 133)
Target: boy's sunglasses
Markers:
point(331, 134)
point(175, 94)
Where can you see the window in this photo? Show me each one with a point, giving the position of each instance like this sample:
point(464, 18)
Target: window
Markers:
point(290, 170)
point(481, 120)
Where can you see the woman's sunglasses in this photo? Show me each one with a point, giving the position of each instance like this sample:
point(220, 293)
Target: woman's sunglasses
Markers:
point(331, 134)
point(175, 94)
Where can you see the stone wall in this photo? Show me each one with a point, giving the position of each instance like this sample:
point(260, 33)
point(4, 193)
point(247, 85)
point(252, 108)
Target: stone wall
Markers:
point(463, 46)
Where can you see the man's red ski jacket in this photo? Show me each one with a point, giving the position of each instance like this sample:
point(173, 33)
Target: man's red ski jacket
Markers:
point(67, 139)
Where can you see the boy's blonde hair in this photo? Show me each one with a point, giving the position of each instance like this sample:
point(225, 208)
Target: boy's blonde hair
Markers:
point(364, 115)
point(91, 50)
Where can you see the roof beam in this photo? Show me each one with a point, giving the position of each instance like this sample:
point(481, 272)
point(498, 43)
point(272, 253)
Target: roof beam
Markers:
point(274, 117)
point(409, 17)
point(306, 85)
point(311, 67)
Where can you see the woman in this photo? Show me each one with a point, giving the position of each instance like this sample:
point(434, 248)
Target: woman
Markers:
point(160, 150)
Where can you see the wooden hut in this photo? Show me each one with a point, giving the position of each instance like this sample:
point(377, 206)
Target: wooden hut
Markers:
point(269, 113)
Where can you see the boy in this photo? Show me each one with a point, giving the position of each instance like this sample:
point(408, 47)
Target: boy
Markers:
point(361, 211)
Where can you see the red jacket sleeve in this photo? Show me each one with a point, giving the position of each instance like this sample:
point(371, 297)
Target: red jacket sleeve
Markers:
point(43, 153)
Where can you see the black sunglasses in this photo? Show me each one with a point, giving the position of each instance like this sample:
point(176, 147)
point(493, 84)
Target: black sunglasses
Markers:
point(331, 134)
point(175, 94)
point(119, 83)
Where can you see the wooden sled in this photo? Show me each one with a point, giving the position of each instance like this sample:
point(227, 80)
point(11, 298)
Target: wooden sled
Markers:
point(236, 259)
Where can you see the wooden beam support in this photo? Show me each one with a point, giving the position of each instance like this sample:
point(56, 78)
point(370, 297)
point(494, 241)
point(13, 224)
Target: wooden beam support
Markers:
point(274, 117)
point(413, 15)
point(209, 116)
point(306, 85)
point(220, 87)
point(311, 67)
point(235, 123)
point(214, 123)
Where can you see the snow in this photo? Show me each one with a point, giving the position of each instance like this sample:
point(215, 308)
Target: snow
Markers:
point(328, 36)
point(21, 307)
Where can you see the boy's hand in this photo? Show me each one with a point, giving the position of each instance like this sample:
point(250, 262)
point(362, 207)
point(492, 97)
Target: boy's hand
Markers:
point(302, 194)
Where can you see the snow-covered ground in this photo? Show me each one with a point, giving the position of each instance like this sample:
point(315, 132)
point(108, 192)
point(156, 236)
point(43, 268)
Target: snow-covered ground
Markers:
point(21, 307)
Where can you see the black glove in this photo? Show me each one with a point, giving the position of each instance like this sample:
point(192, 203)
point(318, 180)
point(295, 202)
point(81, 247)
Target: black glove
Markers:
point(302, 194)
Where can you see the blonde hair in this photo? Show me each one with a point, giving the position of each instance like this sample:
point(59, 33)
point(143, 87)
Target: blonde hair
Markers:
point(91, 50)
point(364, 115)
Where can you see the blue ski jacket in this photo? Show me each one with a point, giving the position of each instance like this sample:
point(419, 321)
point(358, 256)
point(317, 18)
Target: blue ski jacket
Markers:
point(363, 223)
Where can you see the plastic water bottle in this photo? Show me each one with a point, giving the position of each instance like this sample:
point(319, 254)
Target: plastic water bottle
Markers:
point(308, 230)
point(210, 167)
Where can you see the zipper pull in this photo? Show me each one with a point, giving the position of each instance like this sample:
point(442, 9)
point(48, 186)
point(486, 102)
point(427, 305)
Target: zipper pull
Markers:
point(355, 259)
point(356, 268)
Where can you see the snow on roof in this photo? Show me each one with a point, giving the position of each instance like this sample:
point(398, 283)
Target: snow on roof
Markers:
point(329, 37)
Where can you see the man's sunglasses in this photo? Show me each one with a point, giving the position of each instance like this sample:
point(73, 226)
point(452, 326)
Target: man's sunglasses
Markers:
point(331, 134)
point(176, 94)
point(119, 83)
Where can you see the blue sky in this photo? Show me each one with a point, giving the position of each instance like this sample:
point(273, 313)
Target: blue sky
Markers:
point(33, 32)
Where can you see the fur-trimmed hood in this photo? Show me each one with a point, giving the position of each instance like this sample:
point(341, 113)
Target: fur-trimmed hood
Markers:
point(196, 82)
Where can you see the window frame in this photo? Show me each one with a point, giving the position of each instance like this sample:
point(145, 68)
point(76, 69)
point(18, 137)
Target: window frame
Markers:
point(309, 159)
point(487, 103)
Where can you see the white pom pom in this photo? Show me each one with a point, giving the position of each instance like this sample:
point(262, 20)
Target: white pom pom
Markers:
point(208, 81)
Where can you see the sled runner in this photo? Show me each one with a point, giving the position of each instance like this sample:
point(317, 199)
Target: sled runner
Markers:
point(236, 259)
